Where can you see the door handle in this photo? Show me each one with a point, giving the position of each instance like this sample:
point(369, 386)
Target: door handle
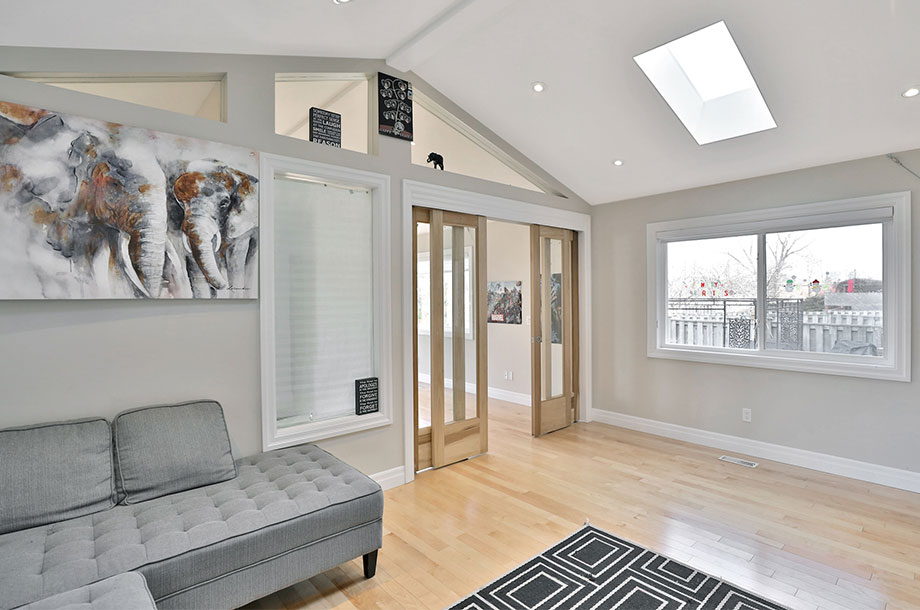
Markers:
point(536, 339)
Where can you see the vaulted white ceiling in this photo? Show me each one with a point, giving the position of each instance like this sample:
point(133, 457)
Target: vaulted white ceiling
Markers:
point(831, 71)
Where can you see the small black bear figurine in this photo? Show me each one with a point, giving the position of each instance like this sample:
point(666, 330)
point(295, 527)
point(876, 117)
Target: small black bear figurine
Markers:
point(437, 159)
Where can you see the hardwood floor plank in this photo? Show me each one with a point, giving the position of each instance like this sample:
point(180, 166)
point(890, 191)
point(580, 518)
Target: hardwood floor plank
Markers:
point(808, 540)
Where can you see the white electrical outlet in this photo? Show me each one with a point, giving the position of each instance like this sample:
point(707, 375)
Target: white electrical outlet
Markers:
point(746, 415)
point(528, 321)
point(506, 375)
point(510, 375)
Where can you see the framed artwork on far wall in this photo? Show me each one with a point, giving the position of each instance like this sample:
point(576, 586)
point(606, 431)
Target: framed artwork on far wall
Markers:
point(505, 302)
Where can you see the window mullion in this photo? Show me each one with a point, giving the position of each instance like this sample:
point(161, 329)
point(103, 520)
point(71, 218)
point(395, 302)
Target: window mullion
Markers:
point(761, 307)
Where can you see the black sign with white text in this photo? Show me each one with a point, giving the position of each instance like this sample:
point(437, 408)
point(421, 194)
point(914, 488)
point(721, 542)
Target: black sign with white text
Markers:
point(366, 393)
point(325, 127)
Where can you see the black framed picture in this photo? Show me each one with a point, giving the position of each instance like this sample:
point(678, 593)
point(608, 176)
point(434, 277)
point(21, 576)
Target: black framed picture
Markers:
point(394, 107)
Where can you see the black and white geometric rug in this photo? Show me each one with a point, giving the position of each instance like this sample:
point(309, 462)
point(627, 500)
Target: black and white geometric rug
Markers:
point(594, 570)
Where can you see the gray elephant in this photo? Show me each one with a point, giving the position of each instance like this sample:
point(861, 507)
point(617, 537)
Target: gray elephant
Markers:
point(87, 197)
point(213, 218)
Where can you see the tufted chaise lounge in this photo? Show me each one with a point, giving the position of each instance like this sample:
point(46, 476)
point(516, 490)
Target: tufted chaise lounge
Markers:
point(280, 518)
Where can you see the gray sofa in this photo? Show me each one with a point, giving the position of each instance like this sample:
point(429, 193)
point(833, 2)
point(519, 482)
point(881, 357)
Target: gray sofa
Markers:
point(158, 493)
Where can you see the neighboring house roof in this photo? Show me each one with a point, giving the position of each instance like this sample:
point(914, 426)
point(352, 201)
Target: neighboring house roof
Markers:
point(858, 301)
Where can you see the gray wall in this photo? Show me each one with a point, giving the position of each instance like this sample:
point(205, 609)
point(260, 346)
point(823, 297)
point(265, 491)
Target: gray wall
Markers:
point(868, 420)
point(509, 344)
point(67, 359)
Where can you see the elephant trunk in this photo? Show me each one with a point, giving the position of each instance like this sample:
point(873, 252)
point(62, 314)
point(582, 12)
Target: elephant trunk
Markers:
point(204, 240)
point(148, 258)
point(148, 233)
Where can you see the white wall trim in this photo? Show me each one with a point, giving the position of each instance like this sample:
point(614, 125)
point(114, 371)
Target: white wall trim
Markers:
point(496, 208)
point(822, 462)
point(379, 186)
point(518, 398)
point(497, 393)
point(388, 479)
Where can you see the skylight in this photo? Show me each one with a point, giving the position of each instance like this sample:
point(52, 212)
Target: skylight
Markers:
point(707, 84)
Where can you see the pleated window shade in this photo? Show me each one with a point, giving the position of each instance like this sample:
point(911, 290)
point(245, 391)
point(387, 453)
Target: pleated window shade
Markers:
point(324, 299)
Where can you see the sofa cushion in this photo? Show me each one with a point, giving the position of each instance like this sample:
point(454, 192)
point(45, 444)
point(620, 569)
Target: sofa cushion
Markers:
point(53, 472)
point(167, 449)
point(297, 495)
point(126, 591)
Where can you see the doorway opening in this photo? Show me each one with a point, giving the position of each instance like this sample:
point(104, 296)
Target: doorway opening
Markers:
point(508, 318)
point(495, 324)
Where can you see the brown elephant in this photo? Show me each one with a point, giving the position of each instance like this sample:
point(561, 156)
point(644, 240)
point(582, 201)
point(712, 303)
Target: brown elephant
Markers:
point(213, 215)
point(87, 198)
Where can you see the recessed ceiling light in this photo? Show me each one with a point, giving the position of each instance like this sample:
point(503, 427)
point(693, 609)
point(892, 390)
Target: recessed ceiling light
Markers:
point(538, 86)
point(618, 162)
point(704, 79)
point(913, 91)
point(341, 1)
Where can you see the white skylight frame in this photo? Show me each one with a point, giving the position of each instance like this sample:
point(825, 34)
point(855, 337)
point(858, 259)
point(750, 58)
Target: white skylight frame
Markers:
point(706, 82)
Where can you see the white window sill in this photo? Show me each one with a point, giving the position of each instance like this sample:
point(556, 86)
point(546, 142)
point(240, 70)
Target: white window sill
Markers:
point(803, 362)
point(315, 431)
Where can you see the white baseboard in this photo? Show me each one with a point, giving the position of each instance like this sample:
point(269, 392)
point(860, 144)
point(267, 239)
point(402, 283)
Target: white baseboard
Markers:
point(388, 479)
point(496, 393)
point(509, 396)
point(854, 469)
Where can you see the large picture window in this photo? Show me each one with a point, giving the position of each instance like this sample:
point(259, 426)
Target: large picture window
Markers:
point(325, 300)
point(819, 287)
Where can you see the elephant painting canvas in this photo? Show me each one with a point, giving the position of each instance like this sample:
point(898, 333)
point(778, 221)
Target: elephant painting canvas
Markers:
point(96, 210)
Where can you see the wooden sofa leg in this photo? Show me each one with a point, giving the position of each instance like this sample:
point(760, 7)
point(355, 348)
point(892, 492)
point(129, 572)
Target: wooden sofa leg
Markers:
point(370, 564)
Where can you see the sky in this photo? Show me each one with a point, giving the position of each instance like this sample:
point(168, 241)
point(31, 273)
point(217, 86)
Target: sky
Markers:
point(839, 251)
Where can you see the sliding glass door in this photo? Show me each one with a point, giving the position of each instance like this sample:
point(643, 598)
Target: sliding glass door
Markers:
point(451, 394)
point(554, 340)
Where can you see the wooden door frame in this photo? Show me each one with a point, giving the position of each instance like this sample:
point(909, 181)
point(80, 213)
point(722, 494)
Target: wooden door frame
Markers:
point(540, 351)
point(439, 432)
point(420, 194)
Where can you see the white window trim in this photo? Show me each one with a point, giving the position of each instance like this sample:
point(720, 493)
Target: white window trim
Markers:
point(132, 77)
point(896, 277)
point(379, 186)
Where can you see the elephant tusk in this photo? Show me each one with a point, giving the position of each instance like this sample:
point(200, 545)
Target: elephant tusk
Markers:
point(188, 246)
point(172, 257)
point(124, 261)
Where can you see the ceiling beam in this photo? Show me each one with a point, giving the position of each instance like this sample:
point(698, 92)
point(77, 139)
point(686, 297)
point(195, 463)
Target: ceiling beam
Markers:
point(460, 18)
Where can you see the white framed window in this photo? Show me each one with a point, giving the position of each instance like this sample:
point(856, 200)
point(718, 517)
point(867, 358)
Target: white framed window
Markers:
point(345, 94)
point(326, 299)
point(822, 287)
point(202, 95)
point(464, 150)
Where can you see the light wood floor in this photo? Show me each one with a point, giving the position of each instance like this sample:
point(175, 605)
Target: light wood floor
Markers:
point(804, 539)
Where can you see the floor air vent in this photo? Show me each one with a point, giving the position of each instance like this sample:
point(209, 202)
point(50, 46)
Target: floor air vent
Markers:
point(739, 461)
